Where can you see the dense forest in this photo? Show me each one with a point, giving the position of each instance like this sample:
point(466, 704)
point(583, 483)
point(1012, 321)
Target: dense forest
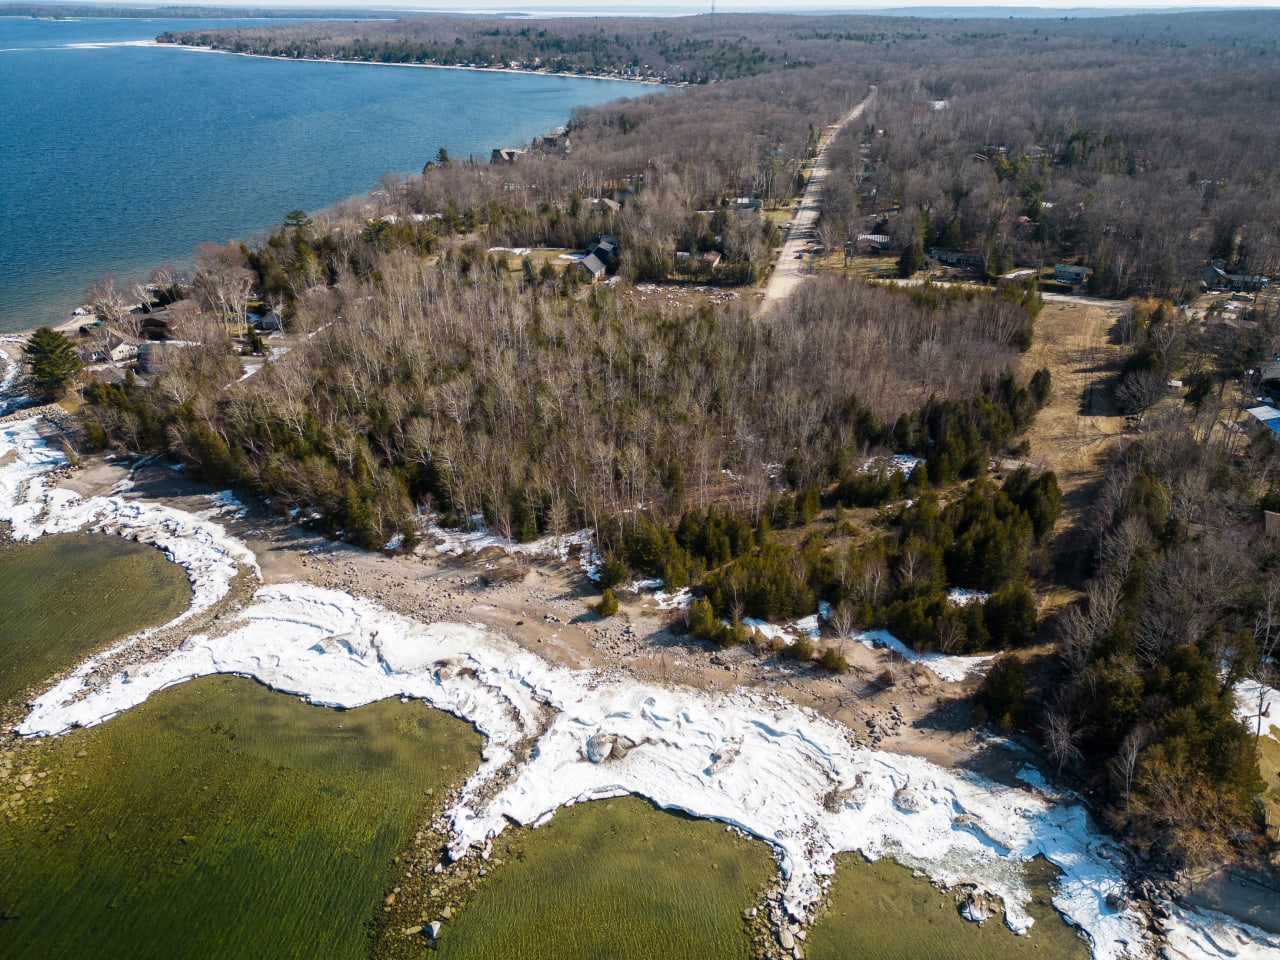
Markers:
point(745, 452)
point(1081, 159)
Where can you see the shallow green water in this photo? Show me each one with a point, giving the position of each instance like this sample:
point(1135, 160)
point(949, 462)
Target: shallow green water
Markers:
point(879, 911)
point(219, 820)
point(66, 596)
point(614, 879)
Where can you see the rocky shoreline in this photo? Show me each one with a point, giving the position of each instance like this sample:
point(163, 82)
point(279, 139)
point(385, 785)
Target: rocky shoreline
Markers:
point(541, 606)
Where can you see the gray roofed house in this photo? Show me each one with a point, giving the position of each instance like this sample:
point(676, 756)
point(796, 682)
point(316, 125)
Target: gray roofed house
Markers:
point(115, 349)
point(593, 265)
point(1247, 281)
point(606, 253)
point(120, 349)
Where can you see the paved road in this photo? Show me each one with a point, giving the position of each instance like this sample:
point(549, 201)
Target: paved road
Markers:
point(789, 271)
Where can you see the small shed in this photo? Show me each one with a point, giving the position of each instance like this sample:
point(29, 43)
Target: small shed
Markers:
point(1266, 416)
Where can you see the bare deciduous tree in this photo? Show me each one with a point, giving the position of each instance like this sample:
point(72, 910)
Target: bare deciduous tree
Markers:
point(108, 302)
point(1062, 736)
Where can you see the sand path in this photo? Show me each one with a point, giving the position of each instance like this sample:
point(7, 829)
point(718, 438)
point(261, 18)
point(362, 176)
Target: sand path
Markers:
point(791, 268)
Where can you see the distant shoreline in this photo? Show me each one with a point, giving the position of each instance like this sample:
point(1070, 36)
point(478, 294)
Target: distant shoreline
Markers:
point(24, 322)
point(431, 66)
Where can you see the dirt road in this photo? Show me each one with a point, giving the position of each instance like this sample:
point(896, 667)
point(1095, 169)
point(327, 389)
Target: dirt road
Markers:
point(791, 267)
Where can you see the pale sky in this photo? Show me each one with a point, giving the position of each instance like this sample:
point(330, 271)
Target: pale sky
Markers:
point(670, 8)
point(667, 7)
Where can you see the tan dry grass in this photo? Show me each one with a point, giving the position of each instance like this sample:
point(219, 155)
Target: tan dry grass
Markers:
point(1080, 423)
point(1269, 766)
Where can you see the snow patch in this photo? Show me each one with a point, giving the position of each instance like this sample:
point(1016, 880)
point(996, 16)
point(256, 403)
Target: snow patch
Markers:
point(458, 543)
point(787, 633)
point(224, 501)
point(679, 600)
point(951, 669)
point(1198, 934)
point(962, 596)
point(1252, 699)
point(9, 372)
point(902, 463)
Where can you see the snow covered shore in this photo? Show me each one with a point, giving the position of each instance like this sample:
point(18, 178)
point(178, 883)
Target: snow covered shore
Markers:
point(10, 371)
point(776, 771)
point(557, 736)
point(33, 508)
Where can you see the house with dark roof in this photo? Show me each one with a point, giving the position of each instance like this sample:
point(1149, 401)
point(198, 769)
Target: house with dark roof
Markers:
point(1215, 277)
point(592, 265)
point(505, 155)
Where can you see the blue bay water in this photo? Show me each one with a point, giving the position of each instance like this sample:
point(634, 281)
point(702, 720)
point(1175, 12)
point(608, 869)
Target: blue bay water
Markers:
point(114, 159)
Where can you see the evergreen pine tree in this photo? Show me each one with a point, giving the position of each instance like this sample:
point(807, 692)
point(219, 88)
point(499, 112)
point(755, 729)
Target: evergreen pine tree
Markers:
point(52, 359)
